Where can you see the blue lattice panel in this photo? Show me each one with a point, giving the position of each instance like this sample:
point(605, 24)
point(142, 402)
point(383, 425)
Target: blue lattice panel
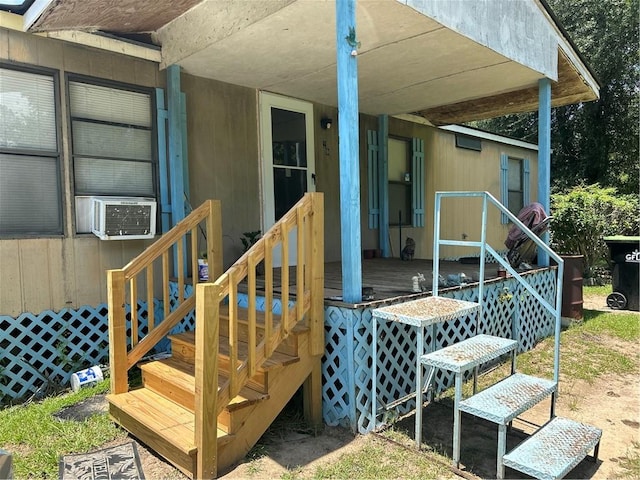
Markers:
point(337, 372)
point(39, 352)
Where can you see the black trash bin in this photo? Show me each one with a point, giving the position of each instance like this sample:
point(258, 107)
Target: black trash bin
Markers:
point(625, 259)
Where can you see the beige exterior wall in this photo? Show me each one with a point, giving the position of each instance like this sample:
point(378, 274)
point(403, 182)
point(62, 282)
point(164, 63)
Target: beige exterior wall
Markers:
point(457, 169)
point(328, 178)
point(225, 164)
point(447, 168)
point(69, 271)
point(224, 155)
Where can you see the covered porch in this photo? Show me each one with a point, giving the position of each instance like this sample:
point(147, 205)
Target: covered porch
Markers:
point(387, 280)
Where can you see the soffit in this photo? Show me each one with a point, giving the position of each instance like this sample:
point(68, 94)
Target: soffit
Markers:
point(407, 62)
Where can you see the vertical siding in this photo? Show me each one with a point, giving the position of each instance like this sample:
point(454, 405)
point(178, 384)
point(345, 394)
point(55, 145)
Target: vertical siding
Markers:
point(224, 158)
point(447, 168)
point(328, 179)
point(458, 169)
point(10, 279)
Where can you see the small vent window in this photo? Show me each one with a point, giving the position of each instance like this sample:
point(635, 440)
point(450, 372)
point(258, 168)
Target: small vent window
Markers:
point(470, 143)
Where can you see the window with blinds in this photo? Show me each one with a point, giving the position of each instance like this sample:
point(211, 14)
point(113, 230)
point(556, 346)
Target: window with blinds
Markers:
point(111, 131)
point(30, 188)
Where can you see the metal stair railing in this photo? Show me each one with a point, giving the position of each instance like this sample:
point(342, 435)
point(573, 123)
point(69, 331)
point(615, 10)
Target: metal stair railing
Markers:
point(487, 199)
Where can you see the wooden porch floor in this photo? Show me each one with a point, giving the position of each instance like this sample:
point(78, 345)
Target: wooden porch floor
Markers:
point(388, 277)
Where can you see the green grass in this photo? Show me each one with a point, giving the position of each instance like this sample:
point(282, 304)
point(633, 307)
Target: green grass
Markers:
point(37, 439)
point(625, 326)
point(588, 348)
point(630, 463)
point(381, 459)
point(598, 290)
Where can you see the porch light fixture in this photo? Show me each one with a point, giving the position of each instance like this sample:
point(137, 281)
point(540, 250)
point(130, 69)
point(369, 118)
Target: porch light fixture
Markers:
point(325, 123)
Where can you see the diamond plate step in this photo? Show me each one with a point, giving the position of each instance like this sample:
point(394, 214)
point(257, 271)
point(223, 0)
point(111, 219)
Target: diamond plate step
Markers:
point(555, 449)
point(469, 353)
point(508, 398)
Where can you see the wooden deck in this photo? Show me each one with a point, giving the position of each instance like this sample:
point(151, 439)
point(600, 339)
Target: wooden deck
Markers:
point(388, 277)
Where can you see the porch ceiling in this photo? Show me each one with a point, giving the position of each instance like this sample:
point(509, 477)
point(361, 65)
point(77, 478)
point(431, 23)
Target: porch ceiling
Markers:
point(407, 62)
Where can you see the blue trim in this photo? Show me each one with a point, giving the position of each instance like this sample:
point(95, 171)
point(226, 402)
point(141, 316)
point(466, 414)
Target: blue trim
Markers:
point(373, 173)
point(544, 156)
point(383, 166)
point(161, 122)
point(417, 199)
point(185, 149)
point(526, 182)
point(504, 185)
point(176, 169)
point(348, 131)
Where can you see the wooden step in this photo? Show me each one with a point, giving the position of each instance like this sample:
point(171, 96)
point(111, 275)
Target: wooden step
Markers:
point(288, 346)
point(174, 380)
point(554, 450)
point(507, 399)
point(164, 426)
point(185, 352)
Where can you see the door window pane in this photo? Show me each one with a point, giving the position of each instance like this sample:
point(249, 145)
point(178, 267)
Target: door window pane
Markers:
point(289, 135)
point(289, 186)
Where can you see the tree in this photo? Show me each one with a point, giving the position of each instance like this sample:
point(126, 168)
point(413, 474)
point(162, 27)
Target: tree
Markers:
point(594, 142)
point(586, 214)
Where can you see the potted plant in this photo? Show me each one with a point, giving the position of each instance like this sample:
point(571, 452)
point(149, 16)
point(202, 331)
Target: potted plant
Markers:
point(248, 240)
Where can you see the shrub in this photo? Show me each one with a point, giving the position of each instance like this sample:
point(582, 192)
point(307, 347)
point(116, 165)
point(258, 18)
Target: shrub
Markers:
point(586, 214)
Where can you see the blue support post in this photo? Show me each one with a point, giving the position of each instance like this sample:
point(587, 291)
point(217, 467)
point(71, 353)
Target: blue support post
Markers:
point(383, 187)
point(348, 131)
point(185, 152)
point(544, 157)
point(176, 168)
point(165, 200)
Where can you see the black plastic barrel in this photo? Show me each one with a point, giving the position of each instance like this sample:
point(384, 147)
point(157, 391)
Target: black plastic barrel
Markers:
point(625, 272)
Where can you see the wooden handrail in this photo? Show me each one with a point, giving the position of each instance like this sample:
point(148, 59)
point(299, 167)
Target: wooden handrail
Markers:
point(304, 304)
point(123, 288)
point(307, 218)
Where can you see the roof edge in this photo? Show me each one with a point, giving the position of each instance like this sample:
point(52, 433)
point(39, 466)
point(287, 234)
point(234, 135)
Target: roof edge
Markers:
point(570, 43)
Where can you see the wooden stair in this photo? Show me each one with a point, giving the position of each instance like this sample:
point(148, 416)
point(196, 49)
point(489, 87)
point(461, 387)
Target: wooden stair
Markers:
point(161, 412)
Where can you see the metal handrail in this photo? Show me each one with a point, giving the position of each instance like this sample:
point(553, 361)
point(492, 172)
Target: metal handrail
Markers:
point(482, 244)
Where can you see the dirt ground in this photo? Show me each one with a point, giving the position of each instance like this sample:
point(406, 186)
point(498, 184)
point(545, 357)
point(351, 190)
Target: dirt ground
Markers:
point(612, 404)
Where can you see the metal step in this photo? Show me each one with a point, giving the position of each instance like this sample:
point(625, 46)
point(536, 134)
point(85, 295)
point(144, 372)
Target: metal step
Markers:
point(469, 353)
point(507, 399)
point(555, 449)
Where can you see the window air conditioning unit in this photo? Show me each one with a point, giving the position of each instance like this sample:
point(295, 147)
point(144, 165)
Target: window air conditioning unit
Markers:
point(123, 218)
